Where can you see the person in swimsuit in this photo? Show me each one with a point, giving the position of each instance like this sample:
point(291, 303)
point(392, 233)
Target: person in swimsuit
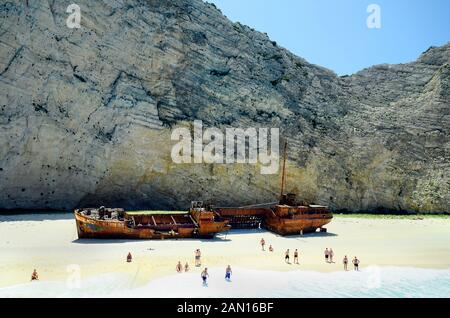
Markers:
point(356, 264)
point(129, 257)
point(286, 256)
point(228, 273)
point(34, 275)
point(331, 255)
point(327, 254)
point(270, 248)
point(205, 276)
point(179, 267)
point(345, 261)
point(263, 243)
point(197, 258)
point(186, 267)
point(296, 256)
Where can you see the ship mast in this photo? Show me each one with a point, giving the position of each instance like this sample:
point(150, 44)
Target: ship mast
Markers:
point(283, 173)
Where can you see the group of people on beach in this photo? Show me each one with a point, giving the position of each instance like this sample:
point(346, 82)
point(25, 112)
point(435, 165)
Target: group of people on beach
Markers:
point(287, 257)
point(286, 254)
point(263, 244)
point(179, 268)
point(329, 254)
point(205, 275)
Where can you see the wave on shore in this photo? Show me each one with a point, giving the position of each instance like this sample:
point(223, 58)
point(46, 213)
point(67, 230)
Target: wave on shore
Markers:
point(370, 282)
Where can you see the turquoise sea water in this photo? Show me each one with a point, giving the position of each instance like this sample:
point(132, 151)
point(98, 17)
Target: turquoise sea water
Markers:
point(372, 282)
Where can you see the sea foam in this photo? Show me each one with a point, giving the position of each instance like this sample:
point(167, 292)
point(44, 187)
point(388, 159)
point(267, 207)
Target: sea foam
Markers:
point(369, 282)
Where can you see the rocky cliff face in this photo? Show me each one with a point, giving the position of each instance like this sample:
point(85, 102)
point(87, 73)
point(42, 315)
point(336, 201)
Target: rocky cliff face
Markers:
point(86, 114)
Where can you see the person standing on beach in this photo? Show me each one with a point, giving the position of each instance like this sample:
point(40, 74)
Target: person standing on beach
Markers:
point(34, 275)
point(228, 273)
point(345, 261)
point(331, 255)
point(327, 254)
point(186, 267)
point(356, 264)
point(205, 276)
point(198, 254)
point(296, 256)
point(179, 267)
point(129, 257)
point(263, 243)
point(270, 248)
point(286, 257)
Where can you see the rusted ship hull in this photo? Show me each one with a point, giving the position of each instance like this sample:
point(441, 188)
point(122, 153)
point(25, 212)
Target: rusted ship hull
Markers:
point(88, 227)
point(296, 226)
point(283, 220)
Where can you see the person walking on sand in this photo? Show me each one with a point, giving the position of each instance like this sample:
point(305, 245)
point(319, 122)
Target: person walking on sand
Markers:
point(205, 276)
point(263, 243)
point(129, 257)
point(331, 255)
point(34, 275)
point(345, 261)
point(286, 257)
point(186, 267)
point(228, 273)
point(296, 256)
point(327, 254)
point(356, 264)
point(179, 267)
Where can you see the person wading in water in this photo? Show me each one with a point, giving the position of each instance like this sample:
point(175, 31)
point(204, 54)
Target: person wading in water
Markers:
point(228, 273)
point(205, 276)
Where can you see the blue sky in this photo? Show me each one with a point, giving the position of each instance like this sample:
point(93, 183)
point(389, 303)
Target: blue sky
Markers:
point(334, 33)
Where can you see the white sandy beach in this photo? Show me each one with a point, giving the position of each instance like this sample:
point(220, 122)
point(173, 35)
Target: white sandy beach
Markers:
point(49, 243)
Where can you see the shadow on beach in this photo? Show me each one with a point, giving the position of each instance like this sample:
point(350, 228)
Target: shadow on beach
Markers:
point(220, 238)
point(308, 236)
point(264, 231)
point(118, 241)
point(36, 216)
point(228, 236)
point(104, 241)
point(245, 231)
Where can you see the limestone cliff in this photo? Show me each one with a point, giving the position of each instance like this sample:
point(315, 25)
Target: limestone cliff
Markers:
point(86, 114)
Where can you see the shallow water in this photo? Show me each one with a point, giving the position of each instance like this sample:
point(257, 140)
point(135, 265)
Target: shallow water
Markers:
point(369, 282)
